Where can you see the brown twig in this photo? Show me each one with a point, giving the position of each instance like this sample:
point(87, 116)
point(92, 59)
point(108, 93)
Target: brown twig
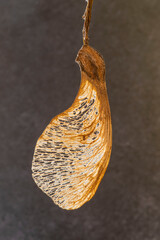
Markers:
point(87, 19)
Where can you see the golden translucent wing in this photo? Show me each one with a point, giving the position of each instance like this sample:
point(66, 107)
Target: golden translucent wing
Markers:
point(72, 154)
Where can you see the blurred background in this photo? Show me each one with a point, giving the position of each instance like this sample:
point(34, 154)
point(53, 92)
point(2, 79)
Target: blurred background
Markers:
point(39, 41)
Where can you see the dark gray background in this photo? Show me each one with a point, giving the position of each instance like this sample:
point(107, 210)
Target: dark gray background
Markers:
point(39, 40)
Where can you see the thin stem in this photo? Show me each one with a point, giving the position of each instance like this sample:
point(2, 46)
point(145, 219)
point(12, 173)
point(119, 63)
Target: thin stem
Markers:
point(87, 19)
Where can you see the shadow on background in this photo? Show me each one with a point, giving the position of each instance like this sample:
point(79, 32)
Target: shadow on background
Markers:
point(39, 79)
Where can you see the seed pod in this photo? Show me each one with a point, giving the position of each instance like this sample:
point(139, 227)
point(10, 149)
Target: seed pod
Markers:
point(73, 152)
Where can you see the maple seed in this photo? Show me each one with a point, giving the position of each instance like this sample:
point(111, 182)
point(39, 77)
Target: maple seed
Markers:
point(72, 154)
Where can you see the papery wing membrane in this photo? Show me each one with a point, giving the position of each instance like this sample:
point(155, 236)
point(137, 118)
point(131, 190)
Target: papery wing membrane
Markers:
point(72, 154)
